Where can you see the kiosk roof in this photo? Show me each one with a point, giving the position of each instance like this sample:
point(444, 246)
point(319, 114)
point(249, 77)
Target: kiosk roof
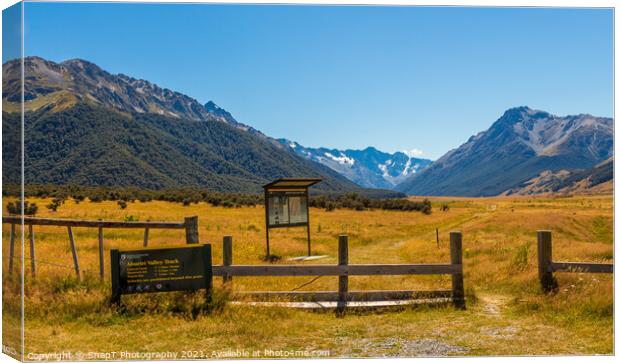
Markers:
point(287, 183)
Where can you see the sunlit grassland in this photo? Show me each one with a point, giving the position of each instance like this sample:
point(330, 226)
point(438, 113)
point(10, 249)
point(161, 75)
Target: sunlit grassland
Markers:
point(511, 315)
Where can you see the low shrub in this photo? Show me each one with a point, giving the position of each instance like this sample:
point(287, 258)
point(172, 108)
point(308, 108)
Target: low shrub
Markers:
point(14, 208)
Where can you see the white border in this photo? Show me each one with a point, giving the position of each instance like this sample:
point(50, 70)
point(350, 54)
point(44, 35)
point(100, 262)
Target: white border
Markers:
point(477, 3)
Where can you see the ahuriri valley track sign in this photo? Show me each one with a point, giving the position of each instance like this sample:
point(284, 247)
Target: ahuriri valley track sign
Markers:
point(185, 268)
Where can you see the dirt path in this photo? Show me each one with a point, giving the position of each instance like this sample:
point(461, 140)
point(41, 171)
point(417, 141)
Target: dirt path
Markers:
point(490, 308)
point(492, 305)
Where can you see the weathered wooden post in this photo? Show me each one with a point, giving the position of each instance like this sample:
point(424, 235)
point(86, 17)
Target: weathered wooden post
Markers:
point(227, 257)
point(456, 258)
point(11, 248)
point(545, 270)
point(437, 235)
point(191, 230)
point(101, 262)
point(343, 280)
point(146, 237)
point(33, 264)
point(74, 253)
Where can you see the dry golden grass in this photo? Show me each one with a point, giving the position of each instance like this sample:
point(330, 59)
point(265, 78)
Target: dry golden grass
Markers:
point(511, 315)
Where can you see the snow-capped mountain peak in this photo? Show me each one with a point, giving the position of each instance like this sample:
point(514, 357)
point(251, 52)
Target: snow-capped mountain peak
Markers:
point(370, 168)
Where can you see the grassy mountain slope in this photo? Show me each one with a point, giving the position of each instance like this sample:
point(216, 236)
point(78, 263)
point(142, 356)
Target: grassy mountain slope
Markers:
point(598, 179)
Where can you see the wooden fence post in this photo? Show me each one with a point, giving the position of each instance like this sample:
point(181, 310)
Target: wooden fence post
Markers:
point(33, 264)
point(101, 262)
point(456, 258)
point(343, 280)
point(11, 248)
point(76, 263)
point(545, 271)
point(191, 230)
point(227, 257)
point(146, 237)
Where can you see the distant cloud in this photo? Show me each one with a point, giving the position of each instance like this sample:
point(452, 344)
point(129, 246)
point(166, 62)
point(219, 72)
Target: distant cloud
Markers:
point(413, 152)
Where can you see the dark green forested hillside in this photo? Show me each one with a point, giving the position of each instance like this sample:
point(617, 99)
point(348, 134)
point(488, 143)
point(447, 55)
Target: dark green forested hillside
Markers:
point(11, 148)
point(92, 146)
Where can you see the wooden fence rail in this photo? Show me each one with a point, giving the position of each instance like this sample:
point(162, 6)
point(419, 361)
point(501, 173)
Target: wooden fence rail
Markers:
point(92, 223)
point(190, 225)
point(343, 270)
point(546, 266)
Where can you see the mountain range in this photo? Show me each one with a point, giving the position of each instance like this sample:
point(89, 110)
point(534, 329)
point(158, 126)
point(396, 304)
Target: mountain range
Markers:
point(58, 86)
point(369, 168)
point(519, 146)
point(86, 126)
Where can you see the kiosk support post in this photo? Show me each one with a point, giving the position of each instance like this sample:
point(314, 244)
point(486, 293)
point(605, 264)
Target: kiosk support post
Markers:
point(267, 221)
point(308, 222)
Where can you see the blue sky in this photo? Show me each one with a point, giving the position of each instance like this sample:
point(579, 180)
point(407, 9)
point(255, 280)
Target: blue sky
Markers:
point(397, 78)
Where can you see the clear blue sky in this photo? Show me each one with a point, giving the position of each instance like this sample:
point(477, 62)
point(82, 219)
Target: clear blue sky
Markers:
point(397, 78)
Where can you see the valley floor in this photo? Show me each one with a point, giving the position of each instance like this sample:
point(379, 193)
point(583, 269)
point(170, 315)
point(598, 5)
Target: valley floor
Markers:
point(506, 312)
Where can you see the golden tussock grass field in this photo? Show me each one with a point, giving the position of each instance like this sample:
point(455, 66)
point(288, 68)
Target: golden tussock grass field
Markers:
point(507, 314)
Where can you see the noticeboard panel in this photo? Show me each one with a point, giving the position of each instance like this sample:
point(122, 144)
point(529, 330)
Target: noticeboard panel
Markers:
point(298, 212)
point(287, 209)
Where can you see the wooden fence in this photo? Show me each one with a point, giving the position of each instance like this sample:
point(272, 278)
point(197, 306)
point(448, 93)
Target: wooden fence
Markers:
point(546, 266)
point(190, 224)
point(343, 270)
point(227, 270)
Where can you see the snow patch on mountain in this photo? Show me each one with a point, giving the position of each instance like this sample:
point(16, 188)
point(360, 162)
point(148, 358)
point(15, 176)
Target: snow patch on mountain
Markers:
point(406, 168)
point(342, 159)
point(384, 169)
